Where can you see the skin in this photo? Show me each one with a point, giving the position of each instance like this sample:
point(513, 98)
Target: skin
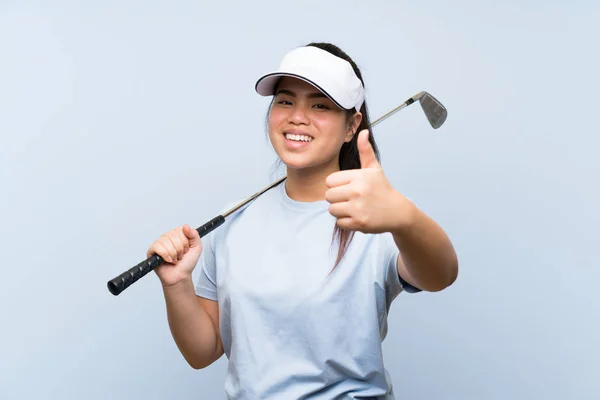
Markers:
point(299, 106)
point(361, 199)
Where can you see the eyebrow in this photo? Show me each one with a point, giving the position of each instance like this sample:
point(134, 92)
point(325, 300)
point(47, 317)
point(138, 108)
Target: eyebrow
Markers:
point(314, 95)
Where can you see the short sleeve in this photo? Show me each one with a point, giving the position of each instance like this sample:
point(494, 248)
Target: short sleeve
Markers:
point(206, 285)
point(394, 283)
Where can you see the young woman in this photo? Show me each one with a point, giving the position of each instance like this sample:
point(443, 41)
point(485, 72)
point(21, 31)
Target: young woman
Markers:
point(295, 288)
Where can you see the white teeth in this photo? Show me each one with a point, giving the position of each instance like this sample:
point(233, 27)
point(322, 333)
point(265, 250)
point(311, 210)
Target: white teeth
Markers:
point(298, 138)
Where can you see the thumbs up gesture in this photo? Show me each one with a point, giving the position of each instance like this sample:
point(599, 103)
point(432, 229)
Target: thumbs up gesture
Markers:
point(363, 199)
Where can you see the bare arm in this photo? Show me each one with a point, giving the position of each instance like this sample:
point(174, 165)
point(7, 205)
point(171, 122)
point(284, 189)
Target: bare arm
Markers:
point(364, 200)
point(194, 321)
point(427, 258)
point(194, 324)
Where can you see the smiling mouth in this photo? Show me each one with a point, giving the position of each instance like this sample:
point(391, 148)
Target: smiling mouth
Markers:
point(298, 137)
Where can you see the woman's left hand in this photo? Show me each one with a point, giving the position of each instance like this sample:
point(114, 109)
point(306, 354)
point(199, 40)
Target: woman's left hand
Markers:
point(363, 199)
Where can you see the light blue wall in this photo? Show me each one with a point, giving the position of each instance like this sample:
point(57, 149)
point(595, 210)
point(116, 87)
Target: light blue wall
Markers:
point(121, 120)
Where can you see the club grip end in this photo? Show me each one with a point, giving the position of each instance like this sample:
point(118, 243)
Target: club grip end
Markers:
point(127, 278)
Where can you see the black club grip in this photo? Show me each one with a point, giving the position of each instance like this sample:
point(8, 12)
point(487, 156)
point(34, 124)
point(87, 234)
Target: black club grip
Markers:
point(211, 225)
point(129, 277)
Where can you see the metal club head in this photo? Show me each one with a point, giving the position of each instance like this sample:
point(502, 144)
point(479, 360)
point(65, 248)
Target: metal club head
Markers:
point(435, 112)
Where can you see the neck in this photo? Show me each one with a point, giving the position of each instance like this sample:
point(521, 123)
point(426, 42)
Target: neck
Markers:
point(308, 184)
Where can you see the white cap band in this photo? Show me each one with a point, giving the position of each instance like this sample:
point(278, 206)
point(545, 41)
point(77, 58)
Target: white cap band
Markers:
point(330, 74)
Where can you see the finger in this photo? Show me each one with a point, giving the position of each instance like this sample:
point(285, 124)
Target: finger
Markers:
point(339, 194)
point(177, 243)
point(184, 240)
point(192, 235)
point(169, 247)
point(159, 248)
point(340, 210)
point(368, 159)
point(341, 177)
point(346, 223)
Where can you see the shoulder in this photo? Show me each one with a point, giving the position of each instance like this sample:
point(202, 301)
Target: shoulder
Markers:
point(260, 203)
point(246, 210)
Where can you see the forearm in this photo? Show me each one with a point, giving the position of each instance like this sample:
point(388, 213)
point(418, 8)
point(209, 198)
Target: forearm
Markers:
point(191, 326)
point(426, 251)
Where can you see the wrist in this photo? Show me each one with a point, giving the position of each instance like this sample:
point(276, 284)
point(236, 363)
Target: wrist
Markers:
point(406, 213)
point(183, 285)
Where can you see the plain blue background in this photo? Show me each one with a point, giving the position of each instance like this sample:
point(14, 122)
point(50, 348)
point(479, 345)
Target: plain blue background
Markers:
point(120, 120)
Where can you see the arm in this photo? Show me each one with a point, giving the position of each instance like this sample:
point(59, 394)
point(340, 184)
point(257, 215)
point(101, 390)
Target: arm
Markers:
point(194, 324)
point(364, 200)
point(427, 258)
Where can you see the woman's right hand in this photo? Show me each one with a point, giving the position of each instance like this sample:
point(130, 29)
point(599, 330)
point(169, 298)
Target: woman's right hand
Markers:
point(180, 248)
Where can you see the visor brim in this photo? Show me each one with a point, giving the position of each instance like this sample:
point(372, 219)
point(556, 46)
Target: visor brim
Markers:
point(265, 86)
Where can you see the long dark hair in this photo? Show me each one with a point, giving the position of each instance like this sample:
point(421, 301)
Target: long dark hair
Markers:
point(348, 157)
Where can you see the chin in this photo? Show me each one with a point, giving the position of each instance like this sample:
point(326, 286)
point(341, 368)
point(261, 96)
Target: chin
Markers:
point(299, 162)
point(296, 161)
point(305, 160)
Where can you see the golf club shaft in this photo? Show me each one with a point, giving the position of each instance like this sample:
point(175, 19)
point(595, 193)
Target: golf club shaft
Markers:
point(400, 107)
point(129, 277)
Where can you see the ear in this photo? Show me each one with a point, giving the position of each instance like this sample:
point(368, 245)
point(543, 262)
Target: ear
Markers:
point(353, 125)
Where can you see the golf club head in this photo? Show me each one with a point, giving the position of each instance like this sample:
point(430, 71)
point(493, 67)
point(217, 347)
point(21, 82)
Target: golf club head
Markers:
point(435, 112)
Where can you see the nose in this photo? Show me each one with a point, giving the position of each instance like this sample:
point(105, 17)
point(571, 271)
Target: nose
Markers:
point(299, 115)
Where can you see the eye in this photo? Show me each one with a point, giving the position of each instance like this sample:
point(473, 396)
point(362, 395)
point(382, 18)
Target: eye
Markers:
point(284, 102)
point(322, 106)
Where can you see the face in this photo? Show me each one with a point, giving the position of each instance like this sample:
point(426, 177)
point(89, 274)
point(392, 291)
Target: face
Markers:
point(306, 128)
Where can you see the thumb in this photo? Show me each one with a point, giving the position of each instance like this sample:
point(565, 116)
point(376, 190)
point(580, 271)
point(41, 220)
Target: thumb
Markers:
point(365, 151)
point(192, 235)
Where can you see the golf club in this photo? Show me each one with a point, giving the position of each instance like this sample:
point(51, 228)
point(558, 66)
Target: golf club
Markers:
point(435, 112)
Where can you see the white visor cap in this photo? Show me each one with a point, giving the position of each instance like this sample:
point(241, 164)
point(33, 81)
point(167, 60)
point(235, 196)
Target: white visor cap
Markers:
point(330, 74)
